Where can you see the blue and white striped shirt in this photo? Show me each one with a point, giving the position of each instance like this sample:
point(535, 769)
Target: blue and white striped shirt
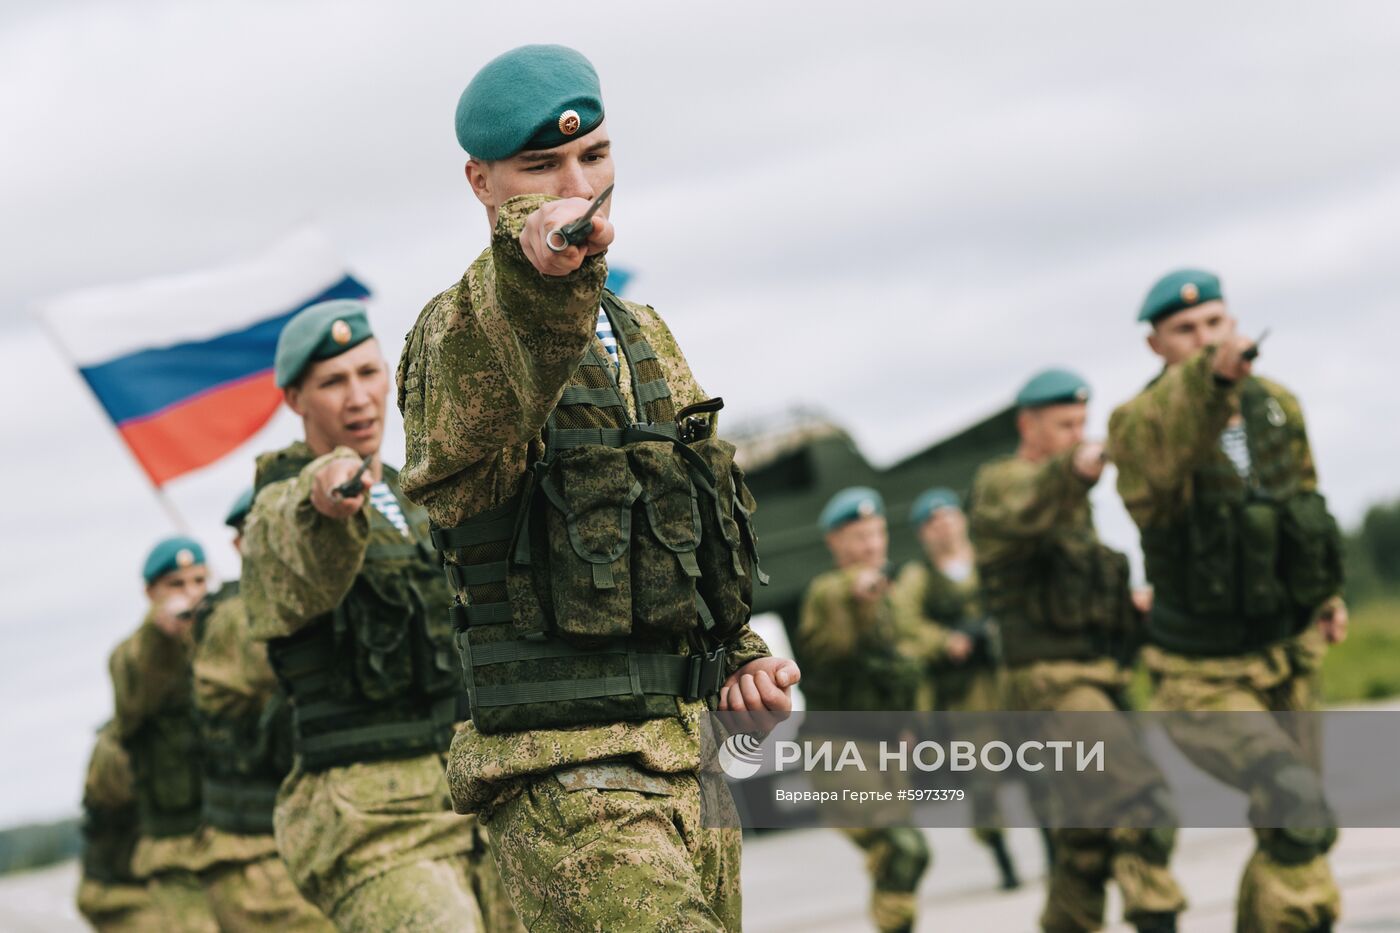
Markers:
point(605, 334)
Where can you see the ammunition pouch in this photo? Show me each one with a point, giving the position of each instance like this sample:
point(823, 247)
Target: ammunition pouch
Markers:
point(1250, 559)
point(109, 839)
point(602, 590)
point(166, 767)
point(1071, 601)
point(332, 726)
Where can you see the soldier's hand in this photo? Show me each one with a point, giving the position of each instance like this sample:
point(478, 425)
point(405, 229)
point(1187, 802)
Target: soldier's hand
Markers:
point(762, 690)
point(1333, 622)
point(552, 216)
point(1088, 461)
point(1142, 599)
point(173, 617)
point(958, 647)
point(1230, 364)
point(333, 474)
point(870, 584)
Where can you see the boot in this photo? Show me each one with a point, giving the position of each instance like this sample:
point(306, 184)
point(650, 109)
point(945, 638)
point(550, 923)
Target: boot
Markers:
point(1007, 868)
point(1157, 923)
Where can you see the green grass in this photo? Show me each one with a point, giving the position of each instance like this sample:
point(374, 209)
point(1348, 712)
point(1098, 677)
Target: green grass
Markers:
point(1367, 665)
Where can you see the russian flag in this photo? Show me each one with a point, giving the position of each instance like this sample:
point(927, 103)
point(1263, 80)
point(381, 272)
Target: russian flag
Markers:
point(183, 364)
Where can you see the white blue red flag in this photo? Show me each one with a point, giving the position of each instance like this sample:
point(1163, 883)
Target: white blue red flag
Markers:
point(183, 364)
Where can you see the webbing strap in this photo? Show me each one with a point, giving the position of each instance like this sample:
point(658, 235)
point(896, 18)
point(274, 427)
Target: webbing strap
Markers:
point(648, 392)
point(478, 614)
point(690, 676)
point(566, 438)
point(475, 531)
point(410, 735)
point(604, 397)
point(478, 574)
point(239, 806)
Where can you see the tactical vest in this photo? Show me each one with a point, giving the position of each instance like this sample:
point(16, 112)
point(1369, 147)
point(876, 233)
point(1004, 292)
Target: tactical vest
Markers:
point(602, 591)
point(947, 605)
point(876, 677)
point(377, 677)
point(109, 838)
point(1249, 560)
point(165, 764)
point(1069, 600)
point(244, 757)
point(959, 608)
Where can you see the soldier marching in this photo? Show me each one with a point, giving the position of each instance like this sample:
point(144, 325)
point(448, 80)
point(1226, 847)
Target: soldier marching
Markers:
point(468, 695)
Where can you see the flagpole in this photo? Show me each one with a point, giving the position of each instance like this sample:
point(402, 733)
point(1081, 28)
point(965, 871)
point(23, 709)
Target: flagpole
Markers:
point(166, 503)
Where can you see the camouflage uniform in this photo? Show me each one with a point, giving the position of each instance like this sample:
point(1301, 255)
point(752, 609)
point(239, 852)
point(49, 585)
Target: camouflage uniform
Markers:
point(1022, 514)
point(863, 655)
point(1171, 466)
point(373, 843)
point(580, 845)
point(151, 682)
point(110, 895)
point(233, 681)
point(974, 686)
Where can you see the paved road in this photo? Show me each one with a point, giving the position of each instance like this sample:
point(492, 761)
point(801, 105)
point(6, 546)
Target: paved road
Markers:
point(811, 881)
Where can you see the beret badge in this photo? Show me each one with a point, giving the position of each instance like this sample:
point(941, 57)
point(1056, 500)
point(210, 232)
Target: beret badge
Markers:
point(569, 122)
point(340, 332)
point(184, 557)
point(1189, 293)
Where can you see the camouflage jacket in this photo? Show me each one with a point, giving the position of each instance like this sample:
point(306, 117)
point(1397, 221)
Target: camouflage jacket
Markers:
point(298, 564)
point(481, 371)
point(861, 654)
point(1016, 503)
point(1158, 439)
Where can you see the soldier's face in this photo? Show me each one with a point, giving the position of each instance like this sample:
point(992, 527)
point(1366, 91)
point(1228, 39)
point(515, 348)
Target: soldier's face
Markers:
point(190, 582)
point(1177, 337)
point(944, 529)
point(1052, 429)
point(864, 542)
point(581, 168)
point(341, 400)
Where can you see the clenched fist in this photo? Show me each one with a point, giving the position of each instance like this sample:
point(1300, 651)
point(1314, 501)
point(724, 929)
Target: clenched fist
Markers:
point(551, 217)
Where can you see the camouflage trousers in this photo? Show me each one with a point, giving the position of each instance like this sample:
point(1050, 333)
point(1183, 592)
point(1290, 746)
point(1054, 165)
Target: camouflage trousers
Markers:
point(896, 858)
point(974, 690)
point(376, 846)
point(118, 907)
point(1086, 860)
point(897, 855)
point(1281, 889)
point(259, 895)
point(180, 903)
point(608, 846)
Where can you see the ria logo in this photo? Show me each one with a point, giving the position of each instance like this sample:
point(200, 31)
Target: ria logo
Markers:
point(741, 755)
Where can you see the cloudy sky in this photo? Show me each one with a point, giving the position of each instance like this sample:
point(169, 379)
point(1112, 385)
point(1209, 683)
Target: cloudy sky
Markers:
point(892, 211)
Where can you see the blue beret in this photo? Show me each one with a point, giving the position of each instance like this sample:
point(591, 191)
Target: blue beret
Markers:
point(931, 501)
point(241, 507)
point(172, 554)
point(1053, 387)
point(850, 504)
point(319, 332)
point(1177, 291)
point(533, 97)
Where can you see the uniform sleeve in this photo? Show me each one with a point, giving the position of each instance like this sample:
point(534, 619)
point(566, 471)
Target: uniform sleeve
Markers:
point(1017, 503)
point(231, 674)
point(923, 637)
point(148, 670)
point(833, 621)
point(1157, 439)
point(487, 361)
point(297, 563)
